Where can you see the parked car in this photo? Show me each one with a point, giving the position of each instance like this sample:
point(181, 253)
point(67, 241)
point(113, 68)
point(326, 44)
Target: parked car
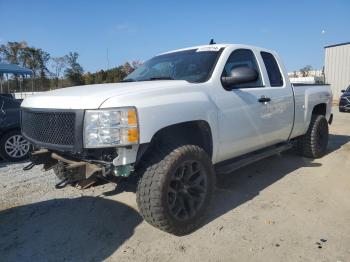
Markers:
point(13, 146)
point(177, 121)
point(344, 102)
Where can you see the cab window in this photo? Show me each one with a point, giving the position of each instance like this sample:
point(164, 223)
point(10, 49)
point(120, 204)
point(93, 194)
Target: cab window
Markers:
point(243, 58)
point(272, 69)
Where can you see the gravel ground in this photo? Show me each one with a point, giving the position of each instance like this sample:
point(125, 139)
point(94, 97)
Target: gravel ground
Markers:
point(284, 208)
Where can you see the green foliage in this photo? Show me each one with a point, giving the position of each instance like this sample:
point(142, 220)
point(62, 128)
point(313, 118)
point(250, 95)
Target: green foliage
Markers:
point(65, 70)
point(112, 75)
point(58, 64)
point(12, 52)
point(306, 70)
point(35, 59)
point(74, 71)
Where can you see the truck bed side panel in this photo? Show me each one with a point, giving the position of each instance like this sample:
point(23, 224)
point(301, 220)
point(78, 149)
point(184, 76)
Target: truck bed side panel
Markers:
point(306, 98)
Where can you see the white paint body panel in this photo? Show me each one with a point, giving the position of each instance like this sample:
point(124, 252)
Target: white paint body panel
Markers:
point(238, 122)
point(306, 97)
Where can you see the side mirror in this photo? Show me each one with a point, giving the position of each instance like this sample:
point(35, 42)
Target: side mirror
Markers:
point(343, 91)
point(240, 75)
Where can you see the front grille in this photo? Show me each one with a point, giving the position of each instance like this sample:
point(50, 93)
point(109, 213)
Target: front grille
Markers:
point(56, 128)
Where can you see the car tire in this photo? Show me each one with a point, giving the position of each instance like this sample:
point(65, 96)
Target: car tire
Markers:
point(176, 187)
point(341, 110)
point(314, 143)
point(14, 147)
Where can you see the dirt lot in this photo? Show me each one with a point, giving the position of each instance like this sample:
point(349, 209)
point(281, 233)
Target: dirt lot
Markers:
point(284, 208)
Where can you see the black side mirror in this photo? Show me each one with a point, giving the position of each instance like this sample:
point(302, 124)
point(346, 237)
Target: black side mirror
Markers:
point(240, 75)
point(343, 91)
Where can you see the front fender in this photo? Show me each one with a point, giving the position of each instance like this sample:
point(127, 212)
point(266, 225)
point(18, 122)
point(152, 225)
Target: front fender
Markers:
point(157, 111)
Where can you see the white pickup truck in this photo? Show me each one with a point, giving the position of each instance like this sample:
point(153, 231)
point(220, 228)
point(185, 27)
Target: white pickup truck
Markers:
point(174, 123)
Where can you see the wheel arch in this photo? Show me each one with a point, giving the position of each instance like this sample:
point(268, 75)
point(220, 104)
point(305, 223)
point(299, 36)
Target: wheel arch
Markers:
point(197, 132)
point(320, 109)
point(7, 130)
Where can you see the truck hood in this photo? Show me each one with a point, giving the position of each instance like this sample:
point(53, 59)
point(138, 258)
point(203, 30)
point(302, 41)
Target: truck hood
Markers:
point(92, 96)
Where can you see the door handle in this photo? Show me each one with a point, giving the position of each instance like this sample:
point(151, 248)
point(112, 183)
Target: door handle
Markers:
point(264, 99)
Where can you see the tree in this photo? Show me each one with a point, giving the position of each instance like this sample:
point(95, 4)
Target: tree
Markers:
point(11, 52)
point(36, 59)
point(305, 71)
point(58, 64)
point(43, 58)
point(136, 64)
point(89, 78)
point(74, 71)
point(127, 68)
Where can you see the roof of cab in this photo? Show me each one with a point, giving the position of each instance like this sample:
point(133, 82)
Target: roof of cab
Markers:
point(218, 46)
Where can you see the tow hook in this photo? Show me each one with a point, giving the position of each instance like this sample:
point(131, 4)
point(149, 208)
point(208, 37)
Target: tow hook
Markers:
point(29, 167)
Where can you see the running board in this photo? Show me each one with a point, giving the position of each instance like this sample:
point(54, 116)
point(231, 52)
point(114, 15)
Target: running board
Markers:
point(231, 165)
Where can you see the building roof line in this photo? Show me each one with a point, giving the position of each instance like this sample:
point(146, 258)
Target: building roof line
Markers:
point(346, 43)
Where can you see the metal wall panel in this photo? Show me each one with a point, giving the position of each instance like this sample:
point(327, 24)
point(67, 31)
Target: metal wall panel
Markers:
point(337, 68)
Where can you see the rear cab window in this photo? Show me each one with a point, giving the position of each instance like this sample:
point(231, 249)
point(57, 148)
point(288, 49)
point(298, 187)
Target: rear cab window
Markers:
point(273, 70)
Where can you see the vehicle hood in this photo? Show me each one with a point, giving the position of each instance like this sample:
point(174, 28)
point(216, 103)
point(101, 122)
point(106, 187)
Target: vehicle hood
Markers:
point(92, 96)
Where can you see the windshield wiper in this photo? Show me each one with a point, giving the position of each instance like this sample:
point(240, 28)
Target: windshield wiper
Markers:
point(160, 78)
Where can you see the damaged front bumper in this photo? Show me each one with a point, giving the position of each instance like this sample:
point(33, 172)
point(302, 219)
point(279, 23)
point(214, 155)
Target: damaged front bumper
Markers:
point(84, 172)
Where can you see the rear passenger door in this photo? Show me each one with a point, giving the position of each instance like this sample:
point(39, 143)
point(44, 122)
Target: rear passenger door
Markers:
point(280, 109)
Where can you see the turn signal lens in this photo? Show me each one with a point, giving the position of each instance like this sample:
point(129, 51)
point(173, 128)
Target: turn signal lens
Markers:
point(132, 117)
point(133, 135)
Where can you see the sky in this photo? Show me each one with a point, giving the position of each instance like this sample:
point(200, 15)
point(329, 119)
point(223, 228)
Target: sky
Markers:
point(137, 30)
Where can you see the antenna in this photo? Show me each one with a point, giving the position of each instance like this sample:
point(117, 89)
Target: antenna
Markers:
point(212, 42)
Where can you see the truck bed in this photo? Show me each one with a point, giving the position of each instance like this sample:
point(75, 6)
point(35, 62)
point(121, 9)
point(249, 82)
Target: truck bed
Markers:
point(306, 97)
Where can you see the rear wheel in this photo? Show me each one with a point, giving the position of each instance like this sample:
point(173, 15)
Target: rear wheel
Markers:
point(175, 189)
point(314, 143)
point(14, 147)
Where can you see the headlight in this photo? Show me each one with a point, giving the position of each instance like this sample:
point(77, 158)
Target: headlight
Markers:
point(110, 127)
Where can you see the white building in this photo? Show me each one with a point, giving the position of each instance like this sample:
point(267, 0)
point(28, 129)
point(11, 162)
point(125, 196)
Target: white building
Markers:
point(337, 67)
point(312, 80)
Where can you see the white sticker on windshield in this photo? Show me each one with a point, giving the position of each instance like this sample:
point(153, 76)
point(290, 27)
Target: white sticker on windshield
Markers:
point(208, 49)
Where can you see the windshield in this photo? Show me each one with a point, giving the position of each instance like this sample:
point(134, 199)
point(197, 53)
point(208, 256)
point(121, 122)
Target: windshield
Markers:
point(193, 65)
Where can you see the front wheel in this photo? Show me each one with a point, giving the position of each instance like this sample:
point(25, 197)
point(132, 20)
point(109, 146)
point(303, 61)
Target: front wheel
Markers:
point(176, 187)
point(14, 147)
point(314, 143)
